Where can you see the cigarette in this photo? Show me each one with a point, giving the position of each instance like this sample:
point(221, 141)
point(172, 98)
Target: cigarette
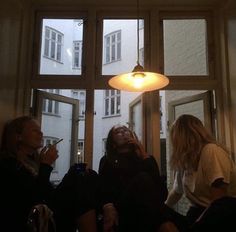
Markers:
point(57, 142)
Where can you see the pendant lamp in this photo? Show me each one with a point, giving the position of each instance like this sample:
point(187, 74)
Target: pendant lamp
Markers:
point(138, 80)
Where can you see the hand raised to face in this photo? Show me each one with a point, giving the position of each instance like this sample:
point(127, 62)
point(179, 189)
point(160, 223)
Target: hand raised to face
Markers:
point(126, 141)
point(48, 155)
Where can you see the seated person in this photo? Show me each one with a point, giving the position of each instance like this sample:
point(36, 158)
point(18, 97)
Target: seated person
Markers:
point(132, 190)
point(24, 178)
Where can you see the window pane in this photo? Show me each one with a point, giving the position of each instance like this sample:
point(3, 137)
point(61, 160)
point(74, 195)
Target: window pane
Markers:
point(58, 53)
point(120, 45)
point(185, 50)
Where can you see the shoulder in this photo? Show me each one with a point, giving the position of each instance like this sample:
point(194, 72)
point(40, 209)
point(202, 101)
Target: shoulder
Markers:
point(212, 149)
point(213, 154)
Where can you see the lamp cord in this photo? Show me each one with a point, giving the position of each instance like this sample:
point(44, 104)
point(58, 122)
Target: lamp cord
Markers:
point(138, 32)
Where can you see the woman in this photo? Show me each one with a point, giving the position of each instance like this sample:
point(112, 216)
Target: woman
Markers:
point(24, 178)
point(24, 173)
point(133, 192)
point(204, 169)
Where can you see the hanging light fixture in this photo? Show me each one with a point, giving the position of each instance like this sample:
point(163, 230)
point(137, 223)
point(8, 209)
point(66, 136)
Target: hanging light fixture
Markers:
point(138, 80)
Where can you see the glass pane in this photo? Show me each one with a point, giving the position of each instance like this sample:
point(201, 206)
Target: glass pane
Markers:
point(185, 48)
point(114, 110)
point(120, 45)
point(58, 53)
point(80, 95)
point(57, 124)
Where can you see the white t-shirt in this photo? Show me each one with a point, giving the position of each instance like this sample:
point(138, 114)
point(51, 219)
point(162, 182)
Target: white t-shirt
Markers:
point(214, 163)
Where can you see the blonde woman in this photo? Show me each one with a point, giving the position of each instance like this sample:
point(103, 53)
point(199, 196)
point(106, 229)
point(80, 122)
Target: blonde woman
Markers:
point(204, 170)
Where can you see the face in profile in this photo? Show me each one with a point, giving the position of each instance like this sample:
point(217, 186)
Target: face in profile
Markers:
point(31, 135)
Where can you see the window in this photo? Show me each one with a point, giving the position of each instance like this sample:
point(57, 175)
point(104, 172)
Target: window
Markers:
point(161, 115)
point(104, 141)
point(112, 102)
point(53, 44)
point(80, 95)
point(141, 56)
point(77, 54)
point(80, 152)
point(113, 47)
point(50, 106)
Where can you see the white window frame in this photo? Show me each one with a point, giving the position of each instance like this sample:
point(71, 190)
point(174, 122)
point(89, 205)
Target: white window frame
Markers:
point(53, 43)
point(112, 102)
point(77, 53)
point(112, 48)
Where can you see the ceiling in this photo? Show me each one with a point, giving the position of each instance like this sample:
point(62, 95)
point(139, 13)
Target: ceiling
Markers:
point(211, 3)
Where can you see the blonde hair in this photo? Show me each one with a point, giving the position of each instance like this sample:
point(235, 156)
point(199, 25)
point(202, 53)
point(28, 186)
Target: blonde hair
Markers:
point(188, 136)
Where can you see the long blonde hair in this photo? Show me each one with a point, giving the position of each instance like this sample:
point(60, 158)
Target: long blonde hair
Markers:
point(188, 136)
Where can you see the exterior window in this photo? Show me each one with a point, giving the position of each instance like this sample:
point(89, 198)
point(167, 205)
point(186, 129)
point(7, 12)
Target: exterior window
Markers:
point(112, 102)
point(161, 115)
point(80, 152)
point(104, 146)
point(50, 106)
point(53, 44)
point(80, 95)
point(113, 47)
point(77, 56)
point(141, 56)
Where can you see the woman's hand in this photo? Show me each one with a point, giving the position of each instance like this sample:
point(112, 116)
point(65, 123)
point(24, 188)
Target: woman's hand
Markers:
point(110, 217)
point(138, 148)
point(48, 155)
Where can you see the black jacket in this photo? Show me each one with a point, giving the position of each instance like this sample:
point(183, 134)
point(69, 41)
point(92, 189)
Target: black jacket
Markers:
point(20, 190)
point(136, 189)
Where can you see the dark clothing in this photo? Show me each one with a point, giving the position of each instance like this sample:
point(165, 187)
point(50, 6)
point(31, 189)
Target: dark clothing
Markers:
point(135, 188)
point(20, 190)
point(219, 216)
point(74, 196)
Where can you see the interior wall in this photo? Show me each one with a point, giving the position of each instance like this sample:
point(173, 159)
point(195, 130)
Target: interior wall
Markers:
point(12, 75)
point(231, 44)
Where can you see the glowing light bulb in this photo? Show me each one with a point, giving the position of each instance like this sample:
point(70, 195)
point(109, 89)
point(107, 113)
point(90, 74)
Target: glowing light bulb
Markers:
point(138, 79)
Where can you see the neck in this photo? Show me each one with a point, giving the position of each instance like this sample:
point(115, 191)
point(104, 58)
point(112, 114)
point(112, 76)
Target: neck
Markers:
point(23, 152)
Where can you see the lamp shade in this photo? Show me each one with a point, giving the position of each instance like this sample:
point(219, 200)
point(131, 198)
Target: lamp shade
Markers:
point(139, 81)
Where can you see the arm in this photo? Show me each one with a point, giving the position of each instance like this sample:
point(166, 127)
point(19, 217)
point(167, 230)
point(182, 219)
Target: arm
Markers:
point(173, 198)
point(218, 189)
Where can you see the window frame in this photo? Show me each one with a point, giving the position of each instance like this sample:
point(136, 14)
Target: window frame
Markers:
point(92, 78)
